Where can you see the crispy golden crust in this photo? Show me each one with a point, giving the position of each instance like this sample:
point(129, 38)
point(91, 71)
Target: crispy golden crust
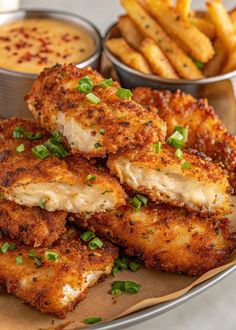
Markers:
point(201, 173)
point(126, 123)
point(20, 169)
point(43, 287)
point(207, 132)
point(31, 225)
point(166, 238)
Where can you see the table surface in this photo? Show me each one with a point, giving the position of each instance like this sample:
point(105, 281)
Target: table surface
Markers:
point(215, 308)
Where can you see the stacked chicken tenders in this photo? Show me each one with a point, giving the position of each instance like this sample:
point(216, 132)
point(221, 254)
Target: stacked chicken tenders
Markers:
point(95, 159)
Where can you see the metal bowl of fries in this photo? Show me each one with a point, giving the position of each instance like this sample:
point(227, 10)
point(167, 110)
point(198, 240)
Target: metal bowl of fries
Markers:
point(162, 47)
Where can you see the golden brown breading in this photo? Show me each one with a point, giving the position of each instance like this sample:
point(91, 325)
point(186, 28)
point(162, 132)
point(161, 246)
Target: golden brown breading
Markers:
point(192, 182)
point(57, 286)
point(166, 238)
point(207, 132)
point(72, 184)
point(31, 225)
point(90, 129)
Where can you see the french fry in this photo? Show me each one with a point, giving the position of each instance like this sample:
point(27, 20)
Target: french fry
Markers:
point(214, 66)
point(205, 26)
point(233, 18)
point(177, 57)
point(231, 62)
point(183, 8)
point(157, 60)
point(199, 45)
point(120, 48)
point(130, 32)
point(223, 24)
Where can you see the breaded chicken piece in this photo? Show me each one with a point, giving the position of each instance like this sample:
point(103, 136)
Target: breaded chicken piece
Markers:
point(191, 182)
point(31, 225)
point(54, 286)
point(207, 132)
point(71, 184)
point(90, 129)
point(166, 238)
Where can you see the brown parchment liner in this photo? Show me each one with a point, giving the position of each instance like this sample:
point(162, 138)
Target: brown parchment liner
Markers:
point(157, 287)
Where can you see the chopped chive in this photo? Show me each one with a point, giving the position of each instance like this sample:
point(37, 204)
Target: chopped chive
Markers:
point(31, 254)
point(92, 320)
point(19, 260)
point(124, 93)
point(4, 248)
point(91, 177)
point(56, 148)
point(176, 140)
point(95, 243)
point(120, 264)
point(125, 286)
point(20, 148)
point(52, 256)
point(97, 145)
point(134, 266)
point(32, 136)
point(19, 133)
point(87, 236)
point(102, 131)
point(185, 165)
point(85, 85)
point(157, 147)
point(143, 199)
point(198, 64)
point(139, 200)
point(37, 261)
point(183, 131)
point(42, 204)
point(106, 82)
point(93, 98)
point(41, 151)
point(179, 153)
point(57, 135)
point(12, 247)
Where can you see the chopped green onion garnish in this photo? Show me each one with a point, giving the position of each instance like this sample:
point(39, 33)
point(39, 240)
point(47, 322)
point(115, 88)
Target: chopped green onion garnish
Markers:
point(42, 204)
point(20, 148)
point(102, 131)
point(183, 131)
point(52, 256)
point(185, 165)
point(95, 243)
point(92, 320)
point(125, 286)
point(134, 266)
point(19, 133)
point(12, 247)
point(198, 64)
point(91, 177)
point(56, 148)
point(19, 260)
point(32, 136)
point(57, 135)
point(31, 254)
point(87, 236)
point(106, 82)
point(157, 147)
point(93, 98)
point(120, 264)
point(85, 85)
point(179, 153)
point(41, 151)
point(97, 145)
point(37, 261)
point(176, 140)
point(124, 93)
point(138, 200)
point(5, 246)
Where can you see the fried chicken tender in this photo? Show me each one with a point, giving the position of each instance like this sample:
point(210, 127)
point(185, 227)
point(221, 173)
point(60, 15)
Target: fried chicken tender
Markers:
point(166, 238)
point(31, 225)
point(191, 182)
point(91, 129)
point(207, 132)
point(71, 184)
point(54, 286)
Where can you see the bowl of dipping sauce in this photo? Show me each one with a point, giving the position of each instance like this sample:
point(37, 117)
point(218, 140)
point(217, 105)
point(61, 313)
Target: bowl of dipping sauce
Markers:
point(31, 40)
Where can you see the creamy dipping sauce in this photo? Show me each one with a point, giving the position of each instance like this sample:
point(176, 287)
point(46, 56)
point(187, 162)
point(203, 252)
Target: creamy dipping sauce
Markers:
point(29, 45)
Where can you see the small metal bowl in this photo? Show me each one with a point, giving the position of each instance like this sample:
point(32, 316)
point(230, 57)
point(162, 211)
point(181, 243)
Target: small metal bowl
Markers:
point(220, 90)
point(15, 85)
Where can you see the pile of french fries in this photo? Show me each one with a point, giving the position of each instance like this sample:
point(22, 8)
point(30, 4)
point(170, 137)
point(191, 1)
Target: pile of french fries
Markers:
point(174, 41)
